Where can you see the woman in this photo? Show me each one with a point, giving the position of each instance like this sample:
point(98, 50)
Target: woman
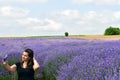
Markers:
point(26, 68)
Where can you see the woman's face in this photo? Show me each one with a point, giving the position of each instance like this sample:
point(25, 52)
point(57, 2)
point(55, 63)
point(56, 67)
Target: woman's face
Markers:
point(25, 56)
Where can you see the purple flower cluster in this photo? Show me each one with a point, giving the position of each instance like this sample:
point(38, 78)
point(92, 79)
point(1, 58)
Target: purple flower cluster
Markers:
point(67, 59)
point(100, 61)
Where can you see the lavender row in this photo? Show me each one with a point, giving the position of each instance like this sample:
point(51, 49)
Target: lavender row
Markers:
point(67, 59)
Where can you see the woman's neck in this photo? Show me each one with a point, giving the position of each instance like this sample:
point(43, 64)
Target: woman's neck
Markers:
point(24, 64)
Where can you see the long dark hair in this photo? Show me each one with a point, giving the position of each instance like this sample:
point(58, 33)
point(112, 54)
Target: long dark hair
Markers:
point(31, 55)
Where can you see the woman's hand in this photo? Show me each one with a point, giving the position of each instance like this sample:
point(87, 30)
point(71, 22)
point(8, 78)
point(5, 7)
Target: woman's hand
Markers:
point(8, 67)
point(4, 62)
point(36, 65)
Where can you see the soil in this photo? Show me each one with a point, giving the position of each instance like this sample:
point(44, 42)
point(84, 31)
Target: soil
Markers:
point(99, 37)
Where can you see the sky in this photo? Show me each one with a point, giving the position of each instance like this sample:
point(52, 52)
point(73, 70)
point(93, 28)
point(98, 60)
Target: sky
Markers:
point(55, 17)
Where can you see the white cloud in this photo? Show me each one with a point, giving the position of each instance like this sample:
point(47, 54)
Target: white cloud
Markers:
point(97, 2)
point(25, 1)
point(68, 14)
point(117, 15)
point(81, 1)
point(89, 22)
point(73, 21)
point(98, 18)
point(8, 11)
point(49, 25)
point(28, 21)
point(90, 16)
point(38, 24)
point(106, 2)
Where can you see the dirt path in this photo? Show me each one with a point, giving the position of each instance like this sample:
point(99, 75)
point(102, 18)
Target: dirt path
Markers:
point(100, 37)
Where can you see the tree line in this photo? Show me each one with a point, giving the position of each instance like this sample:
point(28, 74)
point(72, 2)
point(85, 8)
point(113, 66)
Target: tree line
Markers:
point(108, 31)
point(112, 31)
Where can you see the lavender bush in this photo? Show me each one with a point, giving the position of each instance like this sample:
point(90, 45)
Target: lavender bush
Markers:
point(65, 58)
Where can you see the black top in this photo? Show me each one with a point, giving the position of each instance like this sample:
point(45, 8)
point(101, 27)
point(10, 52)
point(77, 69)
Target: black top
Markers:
point(24, 73)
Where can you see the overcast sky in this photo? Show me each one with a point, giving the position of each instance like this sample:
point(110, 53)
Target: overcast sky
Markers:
point(54, 17)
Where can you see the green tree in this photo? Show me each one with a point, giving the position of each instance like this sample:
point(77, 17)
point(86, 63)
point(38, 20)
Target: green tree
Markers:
point(66, 34)
point(112, 31)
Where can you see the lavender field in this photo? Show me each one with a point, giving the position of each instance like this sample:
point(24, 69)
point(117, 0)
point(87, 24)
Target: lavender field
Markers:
point(65, 58)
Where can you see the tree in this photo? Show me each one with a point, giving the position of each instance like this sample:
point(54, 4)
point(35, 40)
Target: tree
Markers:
point(112, 31)
point(66, 34)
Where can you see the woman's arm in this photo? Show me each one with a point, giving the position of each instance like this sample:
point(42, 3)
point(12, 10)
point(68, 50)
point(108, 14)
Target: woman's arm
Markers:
point(36, 65)
point(8, 67)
